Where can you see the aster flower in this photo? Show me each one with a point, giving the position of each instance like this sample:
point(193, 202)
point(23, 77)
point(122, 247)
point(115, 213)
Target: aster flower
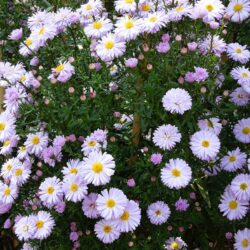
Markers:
point(74, 167)
point(4, 207)
point(175, 243)
point(21, 173)
point(200, 74)
point(240, 97)
point(28, 46)
point(51, 155)
point(205, 145)
point(7, 126)
point(74, 188)
point(89, 145)
point(91, 8)
point(35, 143)
point(181, 205)
point(89, 206)
point(156, 158)
point(8, 193)
point(130, 219)
point(242, 130)
point(145, 6)
point(166, 137)
point(106, 231)
point(16, 34)
point(163, 47)
point(158, 212)
point(231, 207)
point(177, 13)
point(62, 72)
point(211, 124)
point(8, 166)
point(177, 101)
point(98, 168)
point(154, 22)
point(125, 6)
point(25, 228)
point(109, 47)
point(240, 186)
point(242, 239)
point(176, 174)
point(39, 19)
point(234, 160)
point(238, 10)
point(44, 224)
point(238, 52)
point(50, 191)
point(241, 75)
point(22, 152)
point(111, 203)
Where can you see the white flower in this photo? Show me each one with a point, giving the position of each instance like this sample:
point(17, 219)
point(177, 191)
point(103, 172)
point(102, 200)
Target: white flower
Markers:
point(8, 192)
point(242, 239)
point(25, 228)
point(238, 10)
point(242, 130)
point(210, 124)
point(241, 187)
point(238, 52)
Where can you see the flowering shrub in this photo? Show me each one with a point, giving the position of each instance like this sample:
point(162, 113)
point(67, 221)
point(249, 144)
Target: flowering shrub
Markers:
point(128, 128)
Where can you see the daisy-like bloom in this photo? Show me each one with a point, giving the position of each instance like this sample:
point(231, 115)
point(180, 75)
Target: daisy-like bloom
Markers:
point(242, 239)
point(177, 101)
point(91, 8)
point(214, 9)
point(50, 191)
point(177, 13)
point(128, 28)
point(110, 47)
point(21, 173)
point(240, 97)
point(205, 145)
point(44, 224)
point(28, 46)
point(25, 228)
point(145, 6)
point(22, 152)
point(74, 167)
point(35, 143)
point(234, 160)
point(16, 34)
point(175, 244)
point(213, 44)
point(176, 174)
point(8, 192)
point(90, 145)
point(154, 22)
point(74, 188)
point(242, 130)
point(98, 28)
point(166, 136)
point(7, 126)
point(238, 10)
point(39, 19)
point(158, 212)
point(241, 75)
point(231, 207)
point(211, 124)
point(8, 166)
point(130, 218)
point(111, 203)
point(62, 72)
point(89, 206)
point(106, 231)
point(125, 6)
point(4, 208)
point(98, 168)
point(241, 187)
point(238, 52)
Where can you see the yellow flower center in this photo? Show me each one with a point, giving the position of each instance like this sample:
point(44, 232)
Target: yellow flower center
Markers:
point(73, 170)
point(59, 68)
point(107, 229)
point(28, 41)
point(9, 167)
point(22, 148)
point(35, 140)
point(88, 7)
point(23, 78)
point(73, 187)
point(109, 44)
point(205, 143)
point(243, 186)
point(110, 203)
point(97, 25)
point(179, 9)
point(232, 158)
point(129, 1)
point(238, 50)
point(232, 204)
point(129, 24)
point(7, 191)
point(2, 126)
point(209, 7)
point(245, 243)
point(152, 19)
point(39, 224)
point(50, 190)
point(97, 167)
point(18, 172)
point(41, 31)
point(25, 228)
point(6, 143)
point(174, 245)
point(145, 7)
point(246, 130)
point(244, 75)
point(125, 216)
point(158, 212)
point(176, 172)
point(238, 7)
point(91, 143)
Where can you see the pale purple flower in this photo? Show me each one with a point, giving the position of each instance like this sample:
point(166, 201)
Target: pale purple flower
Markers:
point(131, 182)
point(165, 38)
point(60, 207)
point(16, 34)
point(181, 205)
point(192, 46)
point(7, 224)
point(131, 62)
point(156, 158)
point(34, 61)
point(73, 236)
point(190, 77)
point(201, 74)
point(59, 141)
point(89, 206)
point(163, 47)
